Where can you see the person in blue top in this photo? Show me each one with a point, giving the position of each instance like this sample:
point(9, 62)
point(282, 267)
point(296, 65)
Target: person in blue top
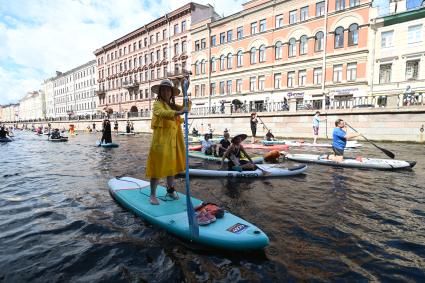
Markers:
point(339, 141)
point(316, 123)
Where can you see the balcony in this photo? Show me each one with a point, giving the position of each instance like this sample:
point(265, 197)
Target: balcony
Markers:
point(178, 73)
point(100, 92)
point(130, 85)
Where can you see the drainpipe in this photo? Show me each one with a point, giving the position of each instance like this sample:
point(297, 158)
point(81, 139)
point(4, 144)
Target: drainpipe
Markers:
point(325, 39)
point(209, 67)
point(372, 61)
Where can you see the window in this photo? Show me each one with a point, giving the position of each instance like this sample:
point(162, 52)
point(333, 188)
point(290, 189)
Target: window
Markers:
point(229, 87)
point(158, 55)
point(252, 55)
point(184, 46)
point(239, 32)
point(229, 60)
point(196, 90)
point(354, 3)
point(164, 52)
point(202, 89)
point(222, 37)
point(157, 36)
point(213, 64)
point(262, 25)
point(252, 81)
point(277, 80)
point(293, 17)
point(412, 68)
point(222, 62)
point(253, 28)
point(339, 5)
point(291, 78)
point(203, 66)
point(158, 73)
point(229, 36)
point(197, 45)
point(303, 45)
point(176, 29)
point(238, 85)
point(351, 71)
point(292, 48)
point(278, 50)
point(176, 48)
point(385, 73)
point(317, 76)
point(261, 82)
point(279, 21)
point(213, 40)
point(197, 68)
point(353, 34)
point(203, 43)
point(304, 14)
point(414, 34)
point(164, 34)
point(387, 39)
point(320, 9)
point(302, 78)
point(339, 37)
point(212, 89)
point(240, 58)
point(221, 87)
point(262, 54)
point(337, 78)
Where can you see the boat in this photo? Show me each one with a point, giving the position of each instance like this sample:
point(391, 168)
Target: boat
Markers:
point(293, 143)
point(363, 162)
point(264, 170)
point(229, 232)
point(200, 155)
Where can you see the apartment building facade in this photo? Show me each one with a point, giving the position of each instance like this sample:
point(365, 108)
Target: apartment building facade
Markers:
point(130, 65)
point(398, 51)
point(32, 106)
point(301, 50)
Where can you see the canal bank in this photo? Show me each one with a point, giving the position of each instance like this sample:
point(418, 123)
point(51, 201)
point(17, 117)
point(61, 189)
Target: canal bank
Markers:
point(402, 125)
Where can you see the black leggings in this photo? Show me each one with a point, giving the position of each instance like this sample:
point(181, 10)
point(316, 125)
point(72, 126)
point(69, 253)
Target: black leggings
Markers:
point(254, 131)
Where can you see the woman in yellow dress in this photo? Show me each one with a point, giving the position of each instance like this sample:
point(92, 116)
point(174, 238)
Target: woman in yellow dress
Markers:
point(167, 153)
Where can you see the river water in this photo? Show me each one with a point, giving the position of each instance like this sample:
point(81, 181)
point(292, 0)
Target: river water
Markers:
point(58, 222)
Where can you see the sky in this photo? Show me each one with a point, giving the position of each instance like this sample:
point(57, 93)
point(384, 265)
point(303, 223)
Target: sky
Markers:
point(39, 37)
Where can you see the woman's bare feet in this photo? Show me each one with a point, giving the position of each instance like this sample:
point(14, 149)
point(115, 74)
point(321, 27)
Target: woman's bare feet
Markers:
point(154, 200)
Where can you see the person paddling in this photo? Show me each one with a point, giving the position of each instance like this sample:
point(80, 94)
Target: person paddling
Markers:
point(106, 134)
point(234, 154)
point(339, 141)
point(253, 124)
point(167, 153)
point(316, 123)
point(4, 133)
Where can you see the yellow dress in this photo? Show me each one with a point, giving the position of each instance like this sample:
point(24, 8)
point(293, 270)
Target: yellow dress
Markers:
point(167, 152)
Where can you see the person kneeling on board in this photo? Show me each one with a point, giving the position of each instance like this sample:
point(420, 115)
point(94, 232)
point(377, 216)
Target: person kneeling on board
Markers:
point(339, 141)
point(167, 153)
point(235, 152)
point(269, 136)
point(208, 147)
point(224, 144)
point(55, 134)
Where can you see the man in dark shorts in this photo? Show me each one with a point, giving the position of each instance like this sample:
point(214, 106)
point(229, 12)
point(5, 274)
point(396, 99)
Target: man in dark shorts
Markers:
point(339, 140)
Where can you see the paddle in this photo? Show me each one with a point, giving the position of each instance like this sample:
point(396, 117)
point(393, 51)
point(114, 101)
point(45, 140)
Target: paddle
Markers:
point(386, 151)
point(264, 125)
point(193, 223)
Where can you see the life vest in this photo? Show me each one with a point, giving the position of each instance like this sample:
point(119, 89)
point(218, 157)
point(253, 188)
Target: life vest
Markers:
point(212, 208)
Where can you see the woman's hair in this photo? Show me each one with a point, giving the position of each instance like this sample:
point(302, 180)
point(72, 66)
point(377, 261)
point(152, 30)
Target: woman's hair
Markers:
point(172, 102)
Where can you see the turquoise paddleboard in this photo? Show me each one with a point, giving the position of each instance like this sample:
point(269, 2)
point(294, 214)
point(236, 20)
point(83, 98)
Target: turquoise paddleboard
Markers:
point(107, 145)
point(229, 232)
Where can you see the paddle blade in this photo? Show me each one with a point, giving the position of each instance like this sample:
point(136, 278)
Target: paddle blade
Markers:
point(387, 152)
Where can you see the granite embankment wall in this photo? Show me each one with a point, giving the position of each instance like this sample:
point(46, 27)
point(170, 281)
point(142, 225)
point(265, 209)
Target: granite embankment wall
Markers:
point(378, 124)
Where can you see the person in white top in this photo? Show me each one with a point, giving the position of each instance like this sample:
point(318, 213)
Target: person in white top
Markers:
point(208, 147)
point(316, 123)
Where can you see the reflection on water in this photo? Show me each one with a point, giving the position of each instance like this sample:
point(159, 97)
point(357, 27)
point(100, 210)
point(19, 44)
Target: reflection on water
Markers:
point(59, 223)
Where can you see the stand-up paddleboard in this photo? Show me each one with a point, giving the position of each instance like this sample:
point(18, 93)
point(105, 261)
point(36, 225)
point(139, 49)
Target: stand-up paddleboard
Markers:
point(61, 139)
point(126, 134)
point(292, 143)
point(363, 162)
point(265, 170)
point(195, 147)
point(200, 155)
point(229, 232)
point(107, 145)
point(6, 139)
point(262, 146)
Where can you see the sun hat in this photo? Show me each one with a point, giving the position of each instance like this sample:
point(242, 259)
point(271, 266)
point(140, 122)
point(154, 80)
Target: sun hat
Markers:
point(168, 83)
point(242, 136)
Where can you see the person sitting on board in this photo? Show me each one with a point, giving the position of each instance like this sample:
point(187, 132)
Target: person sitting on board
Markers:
point(208, 147)
point(224, 143)
point(167, 152)
point(234, 154)
point(195, 132)
point(269, 136)
point(55, 134)
point(339, 141)
point(210, 131)
point(106, 133)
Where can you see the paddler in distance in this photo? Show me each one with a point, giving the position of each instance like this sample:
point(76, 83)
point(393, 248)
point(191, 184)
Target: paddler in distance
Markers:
point(167, 153)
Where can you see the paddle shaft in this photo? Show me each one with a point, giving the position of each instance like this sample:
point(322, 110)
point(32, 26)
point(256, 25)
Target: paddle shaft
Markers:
point(263, 123)
point(386, 151)
point(193, 224)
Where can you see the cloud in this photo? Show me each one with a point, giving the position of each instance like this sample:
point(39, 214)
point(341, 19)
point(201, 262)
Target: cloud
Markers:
point(39, 37)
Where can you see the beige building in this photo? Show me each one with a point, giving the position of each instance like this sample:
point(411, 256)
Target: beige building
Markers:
point(128, 66)
point(32, 106)
point(10, 112)
point(397, 55)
